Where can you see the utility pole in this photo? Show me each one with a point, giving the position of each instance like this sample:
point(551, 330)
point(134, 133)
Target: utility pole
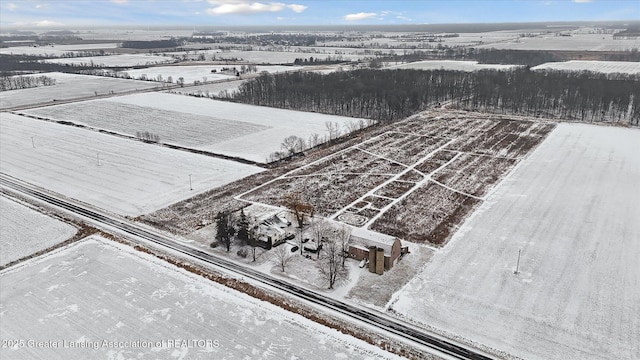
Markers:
point(518, 263)
point(190, 187)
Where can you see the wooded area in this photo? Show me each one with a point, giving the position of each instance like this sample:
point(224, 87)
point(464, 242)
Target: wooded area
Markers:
point(151, 44)
point(389, 95)
point(24, 82)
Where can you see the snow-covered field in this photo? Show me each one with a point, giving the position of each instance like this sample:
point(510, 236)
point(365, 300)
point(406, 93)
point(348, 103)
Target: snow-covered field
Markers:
point(56, 50)
point(607, 67)
point(193, 73)
point(115, 60)
point(577, 41)
point(246, 131)
point(70, 86)
point(124, 176)
point(25, 231)
point(214, 89)
point(452, 65)
point(572, 209)
point(132, 34)
point(111, 298)
point(279, 57)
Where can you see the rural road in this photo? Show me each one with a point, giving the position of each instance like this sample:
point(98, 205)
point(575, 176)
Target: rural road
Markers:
point(385, 324)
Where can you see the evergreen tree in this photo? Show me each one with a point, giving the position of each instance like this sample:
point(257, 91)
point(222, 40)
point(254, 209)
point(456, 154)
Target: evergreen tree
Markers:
point(225, 229)
point(243, 228)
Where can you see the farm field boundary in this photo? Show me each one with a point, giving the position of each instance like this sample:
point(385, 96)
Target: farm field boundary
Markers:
point(416, 181)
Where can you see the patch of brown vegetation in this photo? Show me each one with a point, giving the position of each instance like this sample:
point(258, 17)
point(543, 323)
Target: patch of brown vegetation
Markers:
point(429, 214)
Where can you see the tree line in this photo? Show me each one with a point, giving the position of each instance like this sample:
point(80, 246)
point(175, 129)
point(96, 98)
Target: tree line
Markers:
point(24, 82)
point(508, 56)
point(389, 95)
point(151, 44)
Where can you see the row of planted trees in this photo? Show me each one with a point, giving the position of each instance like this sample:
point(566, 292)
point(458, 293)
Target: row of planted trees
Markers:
point(389, 95)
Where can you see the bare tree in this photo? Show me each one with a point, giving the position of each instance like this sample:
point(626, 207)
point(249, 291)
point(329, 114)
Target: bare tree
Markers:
point(300, 145)
point(329, 266)
point(343, 234)
point(300, 209)
point(353, 126)
point(333, 128)
point(321, 231)
point(289, 144)
point(282, 257)
point(314, 140)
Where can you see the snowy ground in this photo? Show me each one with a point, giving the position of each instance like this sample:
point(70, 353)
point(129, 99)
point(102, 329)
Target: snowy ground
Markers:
point(279, 57)
point(56, 50)
point(214, 89)
point(124, 176)
point(373, 290)
point(24, 231)
point(246, 131)
point(362, 287)
point(607, 67)
point(452, 65)
point(572, 208)
point(302, 270)
point(416, 181)
point(109, 298)
point(415, 41)
point(132, 34)
point(577, 41)
point(70, 86)
point(193, 73)
point(115, 60)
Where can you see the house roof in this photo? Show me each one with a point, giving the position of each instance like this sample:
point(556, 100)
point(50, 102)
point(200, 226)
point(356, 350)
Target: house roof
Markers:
point(270, 229)
point(261, 212)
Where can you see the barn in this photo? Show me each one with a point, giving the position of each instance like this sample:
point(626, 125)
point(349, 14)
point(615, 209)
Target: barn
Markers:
point(381, 250)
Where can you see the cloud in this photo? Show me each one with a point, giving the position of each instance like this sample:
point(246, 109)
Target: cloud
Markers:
point(223, 7)
point(359, 16)
point(222, 2)
point(47, 23)
point(11, 6)
point(244, 8)
point(297, 8)
point(120, 2)
point(582, 1)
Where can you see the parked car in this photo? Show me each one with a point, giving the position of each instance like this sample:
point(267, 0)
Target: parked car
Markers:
point(290, 236)
point(294, 249)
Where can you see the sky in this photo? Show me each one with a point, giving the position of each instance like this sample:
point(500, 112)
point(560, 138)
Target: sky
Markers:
point(30, 14)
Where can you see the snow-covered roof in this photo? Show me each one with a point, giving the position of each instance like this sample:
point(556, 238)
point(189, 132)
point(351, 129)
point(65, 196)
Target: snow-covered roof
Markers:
point(270, 229)
point(364, 238)
point(261, 212)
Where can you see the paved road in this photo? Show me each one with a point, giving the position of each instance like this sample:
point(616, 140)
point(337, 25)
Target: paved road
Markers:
point(411, 334)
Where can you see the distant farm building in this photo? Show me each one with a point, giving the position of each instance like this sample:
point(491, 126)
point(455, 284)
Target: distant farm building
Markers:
point(379, 250)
